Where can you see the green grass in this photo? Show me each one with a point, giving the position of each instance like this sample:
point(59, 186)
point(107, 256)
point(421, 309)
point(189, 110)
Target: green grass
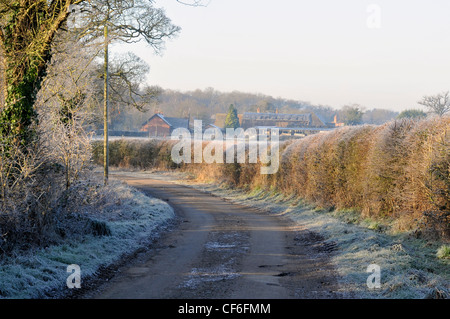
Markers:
point(443, 252)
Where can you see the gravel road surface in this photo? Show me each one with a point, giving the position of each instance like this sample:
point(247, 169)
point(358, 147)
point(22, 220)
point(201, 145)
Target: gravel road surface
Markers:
point(222, 250)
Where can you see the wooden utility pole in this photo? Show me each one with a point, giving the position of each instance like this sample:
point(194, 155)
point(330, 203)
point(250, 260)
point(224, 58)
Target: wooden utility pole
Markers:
point(105, 109)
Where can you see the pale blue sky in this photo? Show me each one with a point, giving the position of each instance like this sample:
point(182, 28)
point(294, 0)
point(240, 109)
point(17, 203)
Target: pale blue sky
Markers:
point(320, 51)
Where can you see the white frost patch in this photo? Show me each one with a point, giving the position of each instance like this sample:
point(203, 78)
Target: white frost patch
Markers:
point(406, 273)
point(201, 275)
point(216, 245)
point(133, 222)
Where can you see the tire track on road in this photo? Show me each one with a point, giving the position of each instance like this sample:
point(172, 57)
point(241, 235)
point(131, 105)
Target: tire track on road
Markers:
point(222, 250)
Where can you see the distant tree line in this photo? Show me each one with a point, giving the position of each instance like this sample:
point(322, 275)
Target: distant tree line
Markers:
point(205, 104)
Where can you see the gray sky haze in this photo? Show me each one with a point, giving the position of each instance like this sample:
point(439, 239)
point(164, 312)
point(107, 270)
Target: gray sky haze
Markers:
point(380, 54)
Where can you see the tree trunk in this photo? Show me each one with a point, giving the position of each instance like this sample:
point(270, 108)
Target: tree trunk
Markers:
point(18, 114)
point(26, 36)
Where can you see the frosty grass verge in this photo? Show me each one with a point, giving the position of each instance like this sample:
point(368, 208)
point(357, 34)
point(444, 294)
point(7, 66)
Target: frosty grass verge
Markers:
point(409, 269)
point(134, 223)
point(404, 268)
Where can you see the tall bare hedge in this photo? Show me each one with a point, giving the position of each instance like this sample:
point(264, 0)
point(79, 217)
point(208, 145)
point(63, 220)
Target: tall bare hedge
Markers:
point(399, 170)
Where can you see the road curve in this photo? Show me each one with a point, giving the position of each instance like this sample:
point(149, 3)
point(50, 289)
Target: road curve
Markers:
point(222, 250)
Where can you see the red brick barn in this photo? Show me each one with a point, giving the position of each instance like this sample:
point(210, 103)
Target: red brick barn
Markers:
point(160, 126)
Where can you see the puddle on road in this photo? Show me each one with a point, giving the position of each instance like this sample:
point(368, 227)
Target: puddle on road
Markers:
point(200, 276)
point(220, 256)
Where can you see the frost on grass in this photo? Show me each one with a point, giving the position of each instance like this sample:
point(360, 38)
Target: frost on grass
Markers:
point(409, 269)
point(132, 220)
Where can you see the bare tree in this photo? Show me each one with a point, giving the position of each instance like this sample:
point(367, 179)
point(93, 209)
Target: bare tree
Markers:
point(125, 21)
point(28, 29)
point(127, 86)
point(127, 74)
point(195, 3)
point(65, 104)
point(16, 171)
point(438, 104)
point(129, 21)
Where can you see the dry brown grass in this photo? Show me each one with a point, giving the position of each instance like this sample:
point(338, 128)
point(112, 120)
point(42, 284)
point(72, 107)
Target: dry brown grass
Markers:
point(399, 171)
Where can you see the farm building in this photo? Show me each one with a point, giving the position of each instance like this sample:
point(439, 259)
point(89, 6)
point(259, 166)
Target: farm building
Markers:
point(160, 126)
point(276, 120)
point(288, 124)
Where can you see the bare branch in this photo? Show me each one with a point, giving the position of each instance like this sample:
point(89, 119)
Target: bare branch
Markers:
point(196, 3)
point(439, 103)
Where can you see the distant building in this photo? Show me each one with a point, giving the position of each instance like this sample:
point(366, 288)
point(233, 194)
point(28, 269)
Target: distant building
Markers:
point(288, 124)
point(336, 123)
point(213, 126)
point(277, 120)
point(160, 126)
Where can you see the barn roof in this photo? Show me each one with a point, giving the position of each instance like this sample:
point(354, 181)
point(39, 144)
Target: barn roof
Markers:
point(302, 119)
point(174, 122)
point(177, 122)
point(278, 117)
